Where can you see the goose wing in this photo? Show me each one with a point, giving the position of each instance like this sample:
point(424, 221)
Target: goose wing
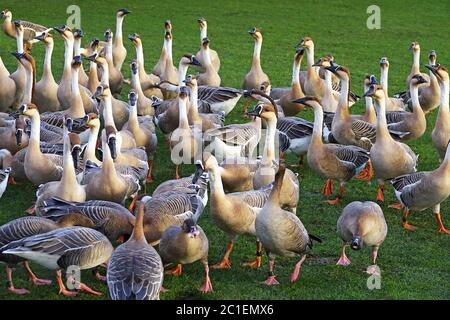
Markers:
point(363, 129)
point(399, 183)
point(294, 127)
point(24, 227)
point(395, 116)
point(352, 154)
point(254, 198)
point(233, 134)
point(212, 95)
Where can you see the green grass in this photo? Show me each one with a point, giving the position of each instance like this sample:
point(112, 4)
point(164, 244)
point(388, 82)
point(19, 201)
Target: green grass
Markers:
point(414, 265)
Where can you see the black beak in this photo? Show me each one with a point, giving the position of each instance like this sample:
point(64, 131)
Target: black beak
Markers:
point(301, 101)
point(356, 243)
point(422, 80)
point(92, 57)
point(125, 11)
point(69, 124)
point(369, 92)
point(76, 155)
point(19, 133)
point(133, 99)
point(247, 93)
point(112, 147)
point(195, 62)
point(132, 37)
point(41, 37)
point(332, 68)
point(431, 67)
point(59, 29)
point(198, 172)
point(17, 55)
point(78, 123)
point(253, 113)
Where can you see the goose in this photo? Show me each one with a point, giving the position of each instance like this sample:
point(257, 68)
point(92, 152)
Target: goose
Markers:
point(360, 224)
point(115, 76)
point(24, 227)
point(170, 72)
point(68, 187)
point(64, 89)
point(78, 34)
point(8, 90)
point(135, 270)
point(118, 50)
point(208, 121)
point(210, 77)
point(144, 104)
point(19, 76)
point(264, 95)
point(214, 57)
point(31, 30)
point(332, 161)
point(143, 132)
point(111, 219)
point(161, 64)
point(46, 90)
point(389, 158)
point(441, 132)
point(184, 140)
point(330, 97)
point(107, 184)
point(296, 92)
point(4, 177)
point(184, 245)
point(92, 121)
point(256, 75)
point(419, 191)
point(281, 232)
point(93, 80)
point(415, 68)
point(313, 85)
point(392, 104)
point(12, 138)
point(148, 81)
point(183, 184)
point(233, 213)
point(63, 248)
point(265, 173)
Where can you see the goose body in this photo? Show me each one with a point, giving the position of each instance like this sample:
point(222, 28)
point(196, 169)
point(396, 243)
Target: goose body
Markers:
point(256, 75)
point(8, 90)
point(210, 77)
point(441, 132)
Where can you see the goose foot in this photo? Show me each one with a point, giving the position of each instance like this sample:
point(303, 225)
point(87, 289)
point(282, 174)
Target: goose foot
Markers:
point(18, 291)
point(207, 285)
point(68, 293)
point(441, 228)
point(31, 210)
point(11, 180)
point(271, 281)
point(380, 193)
point(224, 264)
point(162, 289)
point(296, 272)
point(396, 205)
point(253, 264)
point(367, 173)
point(333, 201)
point(408, 226)
point(327, 189)
point(88, 290)
point(343, 260)
point(33, 278)
point(150, 169)
point(176, 271)
point(99, 277)
point(373, 270)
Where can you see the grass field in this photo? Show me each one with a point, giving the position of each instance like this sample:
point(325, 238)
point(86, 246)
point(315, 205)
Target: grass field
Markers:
point(414, 265)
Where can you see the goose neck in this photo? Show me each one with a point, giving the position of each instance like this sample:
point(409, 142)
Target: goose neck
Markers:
point(47, 73)
point(35, 136)
point(384, 79)
point(182, 71)
point(216, 181)
point(269, 146)
point(382, 129)
point(118, 40)
point(257, 53)
point(203, 34)
point(92, 143)
point(68, 55)
point(183, 118)
point(342, 108)
point(69, 176)
point(296, 72)
point(318, 126)
point(416, 62)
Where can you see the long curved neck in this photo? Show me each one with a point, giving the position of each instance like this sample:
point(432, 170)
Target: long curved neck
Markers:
point(92, 144)
point(140, 57)
point(47, 73)
point(382, 129)
point(35, 136)
point(108, 51)
point(19, 40)
point(68, 178)
point(183, 118)
point(296, 72)
point(216, 181)
point(105, 73)
point(318, 126)
point(68, 56)
point(108, 113)
point(93, 75)
point(74, 83)
point(207, 58)
point(257, 54)
point(118, 40)
point(182, 71)
point(416, 62)
point(108, 162)
point(133, 121)
point(169, 58)
point(342, 108)
point(444, 108)
point(328, 81)
point(384, 79)
point(269, 146)
point(310, 60)
point(414, 91)
point(203, 34)
point(194, 97)
point(136, 84)
point(29, 86)
point(77, 47)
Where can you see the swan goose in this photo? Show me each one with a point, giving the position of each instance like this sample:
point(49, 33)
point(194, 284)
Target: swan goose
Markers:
point(78, 34)
point(281, 232)
point(8, 90)
point(170, 72)
point(389, 158)
point(19, 76)
point(135, 270)
point(313, 85)
point(118, 50)
point(362, 224)
point(4, 178)
point(115, 76)
point(144, 104)
point(392, 104)
point(214, 57)
point(161, 64)
point(332, 161)
point(441, 131)
point(210, 77)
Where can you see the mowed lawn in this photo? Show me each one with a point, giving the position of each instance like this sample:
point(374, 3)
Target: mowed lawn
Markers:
point(414, 265)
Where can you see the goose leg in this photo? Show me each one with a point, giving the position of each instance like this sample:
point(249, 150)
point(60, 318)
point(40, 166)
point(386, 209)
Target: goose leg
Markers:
point(207, 285)
point(439, 220)
point(10, 284)
point(380, 193)
point(11, 180)
point(367, 173)
point(31, 210)
point(225, 263)
point(271, 279)
point(405, 223)
point(339, 196)
point(257, 262)
point(133, 202)
point(245, 116)
point(175, 271)
point(374, 254)
point(36, 281)
point(150, 168)
point(177, 172)
point(62, 288)
point(396, 205)
point(327, 189)
point(343, 260)
point(98, 276)
point(86, 289)
point(298, 266)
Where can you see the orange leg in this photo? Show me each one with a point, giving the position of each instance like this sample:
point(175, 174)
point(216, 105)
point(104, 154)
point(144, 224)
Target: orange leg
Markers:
point(176, 271)
point(367, 173)
point(11, 180)
point(31, 210)
point(207, 285)
point(301, 161)
point(440, 224)
point(257, 262)
point(339, 196)
point(35, 280)
point(133, 203)
point(327, 189)
point(296, 272)
point(380, 193)
point(343, 260)
point(245, 108)
point(62, 288)
point(271, 279)
point(177, 172)
point(405, 223)
point(396, 205)
point(225, 263)
point(150, 169)
point(10, 284)
point(98, 276)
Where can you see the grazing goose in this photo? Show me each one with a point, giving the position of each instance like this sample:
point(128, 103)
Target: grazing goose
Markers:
point(144, 104)
point(265, 173)
point(392, 104)
point(234, 213)
point(118, 50)
point(210, 77)
point(135, 270)
point(332, 161)
point(161, 64)
point(296, 92)
point(214, 57)
point(361, 224)
point(256, 75)
point(143, 131)
point(281, 232)
point(148, 81)
point(389, 158)
point(111, 219)
point(46, 90)
point(185, 245)
point(419, 191)
point(29, 226)
point(8, 90)
point(441, 132)
point(63, 248)
point(4, 177)
point(184, 140)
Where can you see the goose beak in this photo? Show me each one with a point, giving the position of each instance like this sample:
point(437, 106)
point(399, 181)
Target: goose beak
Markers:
point(112, 147)
point(198, 172)
point(79, 123)
point(332, 68)
point(59, 29)
point(17, 55)
point(247, 93)
point(132, 37)
point(133, 99)
point(302, 101)
point(196, 62)
point(125, 11)
point(76, 155)
point(92, 57)
point(432, 68)
point(193, 232)
point(254, 113)
point(19, 134)
point(69, 125)
point(370, 92)
point(356, 243)
point(41, 37)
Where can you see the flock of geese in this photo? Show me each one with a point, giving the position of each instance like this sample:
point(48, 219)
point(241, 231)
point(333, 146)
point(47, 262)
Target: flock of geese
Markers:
point(88, 152)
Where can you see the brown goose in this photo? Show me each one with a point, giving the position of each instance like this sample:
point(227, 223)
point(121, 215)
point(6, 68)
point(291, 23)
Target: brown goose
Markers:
point(441, 132)
point(118, 50)
point(215, 60)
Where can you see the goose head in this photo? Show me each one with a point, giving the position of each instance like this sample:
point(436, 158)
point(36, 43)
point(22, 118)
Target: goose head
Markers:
point(208, 163)
point(310, 102)
point(414, 46)
point(28, 110)
point(75, 144)
point(65, 32)
point(369, 79)
point(168, 25)
point(78, 33)
point(134, 67)
point(135, 39)
point(45, 37)
point(190, 228)
point(18, 25)
point(190, 81)
point(384, 63)
point(375, 91)
point(91, 120)
point(168, 35)
point(167, 85)
point(255, 33)
point(439, 71)
point(205, 43)
point(299, 54)
point(6, 14)
point(265, 87)
point(111, 139)
point(190, 59)
point(323, 62)
point(340, 71)
point(101, 92)
point(418, 80)
point(184, 93)
point(97, 58)
point(432, 57)
point(122, 12)
point(76, 62)
point(306, 42)
point(20, 127)
point(26, 60)
point(267, 112)
point(202, 23)
point(108, 35)
point(356, 243)
point(132, 98)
